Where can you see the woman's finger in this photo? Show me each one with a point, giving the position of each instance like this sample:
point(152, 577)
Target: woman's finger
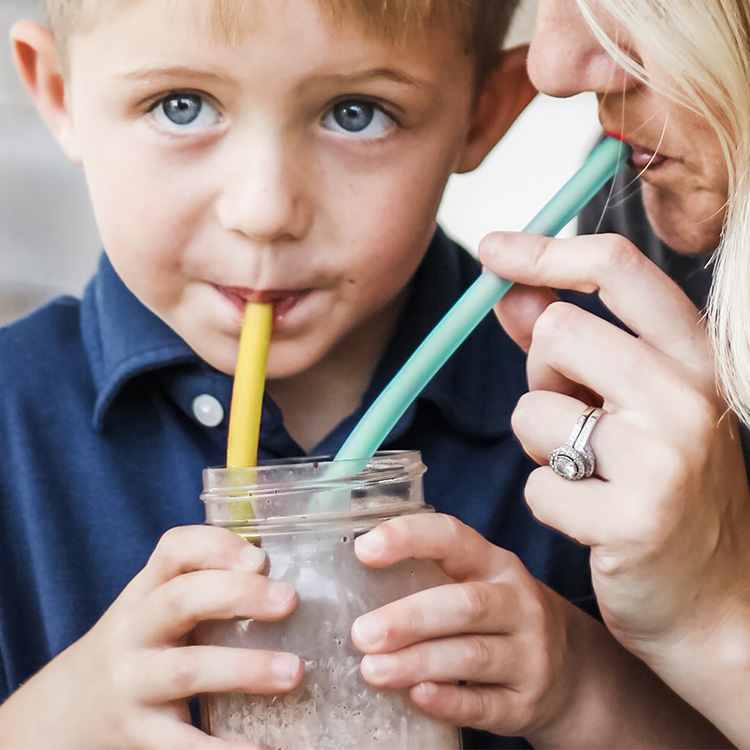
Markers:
point(631, 286)
point(519, 309)
point(587, 510)
point(474, 658)
point(543, 421)
point(176, 673)
point(474, 607)
point(176, 607)
point(574, 345)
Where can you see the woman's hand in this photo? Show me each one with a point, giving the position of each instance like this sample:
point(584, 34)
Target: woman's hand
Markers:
point(125, 684)
point(667, 514)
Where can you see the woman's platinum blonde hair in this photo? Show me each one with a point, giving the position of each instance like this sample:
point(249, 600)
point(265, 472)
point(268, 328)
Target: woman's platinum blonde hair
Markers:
point(704, 47)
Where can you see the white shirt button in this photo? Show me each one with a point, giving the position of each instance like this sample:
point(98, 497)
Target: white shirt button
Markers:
point(208, 410)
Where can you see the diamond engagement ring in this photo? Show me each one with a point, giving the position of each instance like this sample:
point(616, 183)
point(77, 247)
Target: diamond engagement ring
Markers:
point(574, 459)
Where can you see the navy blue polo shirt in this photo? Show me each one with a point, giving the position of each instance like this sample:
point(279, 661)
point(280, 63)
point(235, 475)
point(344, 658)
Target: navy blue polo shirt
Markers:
point(102, 451)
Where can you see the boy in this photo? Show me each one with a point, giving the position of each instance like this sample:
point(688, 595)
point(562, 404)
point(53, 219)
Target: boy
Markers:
point(288, 151)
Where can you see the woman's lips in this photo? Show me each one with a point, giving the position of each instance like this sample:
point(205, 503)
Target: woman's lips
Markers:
point(283, 300)
point(644, 158)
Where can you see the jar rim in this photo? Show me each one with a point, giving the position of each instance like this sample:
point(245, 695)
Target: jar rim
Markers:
point(311, 473)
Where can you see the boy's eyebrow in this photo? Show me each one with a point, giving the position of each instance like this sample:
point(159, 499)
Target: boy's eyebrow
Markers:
point(393, 74)
point(183, 71)
point(171, 71)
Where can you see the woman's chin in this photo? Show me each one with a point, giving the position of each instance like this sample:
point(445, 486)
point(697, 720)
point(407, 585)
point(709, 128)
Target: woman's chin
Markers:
point(679, 227)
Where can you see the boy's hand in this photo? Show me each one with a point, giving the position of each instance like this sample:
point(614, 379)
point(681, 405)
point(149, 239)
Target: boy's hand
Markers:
point(495, 627)
point(125, 684)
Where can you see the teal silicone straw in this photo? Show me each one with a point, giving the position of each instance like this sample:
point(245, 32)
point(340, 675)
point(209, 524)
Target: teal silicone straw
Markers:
point(471, 308)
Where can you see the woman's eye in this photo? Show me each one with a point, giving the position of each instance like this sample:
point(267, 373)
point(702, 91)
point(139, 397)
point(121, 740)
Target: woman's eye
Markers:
point(358, 118)
point(185, 112)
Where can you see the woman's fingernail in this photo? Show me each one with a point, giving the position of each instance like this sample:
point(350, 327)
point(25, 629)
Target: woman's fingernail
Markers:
point(252, 557)
point(285, 667)
point(369, 544)
point(379, 666)
point(369, 630)
point(485, 254)
point(279, 593)
point(487, 247)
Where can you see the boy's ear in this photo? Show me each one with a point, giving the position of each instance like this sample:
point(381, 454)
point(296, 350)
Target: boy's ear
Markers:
point(39, 68)
point(505, 94)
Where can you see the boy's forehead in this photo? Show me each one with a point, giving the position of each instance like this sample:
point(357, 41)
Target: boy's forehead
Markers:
point(396, 21)
point(292, 42)
point(142, 34)
point(225, 19)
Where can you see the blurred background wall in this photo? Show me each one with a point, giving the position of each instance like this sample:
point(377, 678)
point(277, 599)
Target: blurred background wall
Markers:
point(49, 243)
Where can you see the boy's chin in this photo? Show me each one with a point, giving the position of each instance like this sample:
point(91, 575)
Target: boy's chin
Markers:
point(281, 365)
point(222, 358)
point(279, 371)
point(221, 364)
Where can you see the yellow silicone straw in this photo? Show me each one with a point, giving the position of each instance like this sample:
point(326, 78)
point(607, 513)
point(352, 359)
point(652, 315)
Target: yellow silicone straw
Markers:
point(249, 384)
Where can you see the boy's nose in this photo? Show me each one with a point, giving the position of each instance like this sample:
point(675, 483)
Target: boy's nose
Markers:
point(263, 195)
point(566, 58)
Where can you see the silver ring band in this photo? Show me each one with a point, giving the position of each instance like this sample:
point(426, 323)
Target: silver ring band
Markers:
point(574, 459)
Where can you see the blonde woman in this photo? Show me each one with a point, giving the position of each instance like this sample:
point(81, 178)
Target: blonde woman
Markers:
point(660, 490)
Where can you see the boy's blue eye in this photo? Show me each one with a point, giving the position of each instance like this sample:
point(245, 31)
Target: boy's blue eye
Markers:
point(354, 116)
point(358, 118)
point(184, 111)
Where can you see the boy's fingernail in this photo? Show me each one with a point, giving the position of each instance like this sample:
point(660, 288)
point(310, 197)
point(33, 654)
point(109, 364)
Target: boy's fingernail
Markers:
point(369, 630)
point(379, 666)
point(369, 544)
point(279, 593)
point(252, 557)
point(426, 688)
point(285, 667)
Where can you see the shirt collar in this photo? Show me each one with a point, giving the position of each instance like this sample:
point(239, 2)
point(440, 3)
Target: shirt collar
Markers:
point(475, 391)
point(123, 338)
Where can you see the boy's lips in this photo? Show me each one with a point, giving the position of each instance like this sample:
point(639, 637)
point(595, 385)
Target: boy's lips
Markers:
point(283, 300)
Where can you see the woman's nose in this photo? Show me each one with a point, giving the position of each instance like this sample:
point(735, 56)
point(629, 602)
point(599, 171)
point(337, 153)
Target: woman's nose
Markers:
point(263, 193)
point(566, 58)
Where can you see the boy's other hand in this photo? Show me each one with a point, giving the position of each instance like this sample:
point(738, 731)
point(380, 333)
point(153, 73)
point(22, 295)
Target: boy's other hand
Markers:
point(495, 629)
point(126, 683)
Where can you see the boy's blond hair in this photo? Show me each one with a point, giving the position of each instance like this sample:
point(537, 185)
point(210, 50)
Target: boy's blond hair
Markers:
point(482, 24)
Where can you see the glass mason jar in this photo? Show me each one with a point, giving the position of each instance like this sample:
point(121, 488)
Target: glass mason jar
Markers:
point(306, 514)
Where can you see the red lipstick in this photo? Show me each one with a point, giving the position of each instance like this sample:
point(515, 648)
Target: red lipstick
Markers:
point(616, 134)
